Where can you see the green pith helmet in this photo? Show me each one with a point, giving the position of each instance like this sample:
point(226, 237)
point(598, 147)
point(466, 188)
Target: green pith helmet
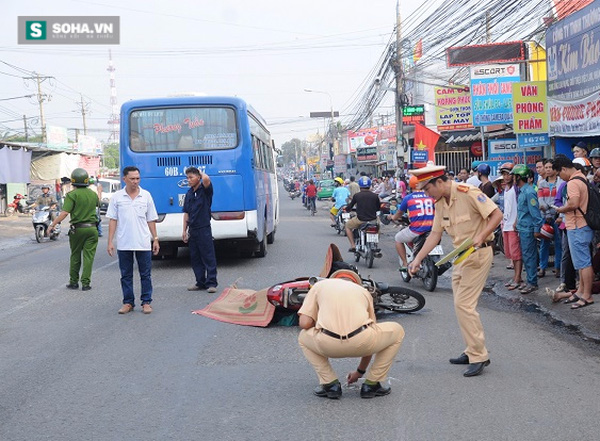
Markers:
point(521, 170)
point(80, 178)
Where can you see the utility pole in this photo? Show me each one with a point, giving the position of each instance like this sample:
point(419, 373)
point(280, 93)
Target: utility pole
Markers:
point(41, 97)
point(399, 89)
point(84, 109)
point(25, 128)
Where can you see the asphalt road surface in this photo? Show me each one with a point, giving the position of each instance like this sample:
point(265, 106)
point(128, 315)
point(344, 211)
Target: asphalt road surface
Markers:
point(71, 368)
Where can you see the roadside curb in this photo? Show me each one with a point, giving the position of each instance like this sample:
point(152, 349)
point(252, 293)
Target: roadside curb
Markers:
point(532, 304)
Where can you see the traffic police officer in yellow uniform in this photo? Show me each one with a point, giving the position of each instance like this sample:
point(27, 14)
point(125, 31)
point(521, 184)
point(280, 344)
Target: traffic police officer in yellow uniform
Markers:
point(464, 212)
point(338, 320)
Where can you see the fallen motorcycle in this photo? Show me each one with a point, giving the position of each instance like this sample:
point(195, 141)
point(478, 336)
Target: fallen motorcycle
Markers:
point(289, 296)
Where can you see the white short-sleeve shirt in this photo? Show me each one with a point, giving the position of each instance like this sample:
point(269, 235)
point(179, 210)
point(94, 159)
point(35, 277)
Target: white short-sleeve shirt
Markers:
point(132, 216)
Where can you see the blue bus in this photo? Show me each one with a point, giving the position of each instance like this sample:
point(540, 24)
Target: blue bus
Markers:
point(223, 137)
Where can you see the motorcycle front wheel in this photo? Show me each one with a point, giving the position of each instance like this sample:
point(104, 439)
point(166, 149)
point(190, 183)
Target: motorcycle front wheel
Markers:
point(431, 275)
point(10, 211)
point(399, 299)
point(39, 233)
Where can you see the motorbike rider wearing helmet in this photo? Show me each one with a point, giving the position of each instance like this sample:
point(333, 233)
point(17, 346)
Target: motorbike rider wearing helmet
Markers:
point(421, 211)
point(45, 199)
point(367, 205)
point(595, 158)
point(486, 186)
point(340, 196)
point(529, 223)
point(474, 180)
point(81, 204)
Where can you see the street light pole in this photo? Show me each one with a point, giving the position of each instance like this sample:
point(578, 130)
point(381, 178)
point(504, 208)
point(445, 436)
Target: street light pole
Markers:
point(331, 115)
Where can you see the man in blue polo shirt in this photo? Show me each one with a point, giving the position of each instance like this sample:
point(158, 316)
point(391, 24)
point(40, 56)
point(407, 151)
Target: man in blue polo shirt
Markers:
point(197, 230)
point(133, 217)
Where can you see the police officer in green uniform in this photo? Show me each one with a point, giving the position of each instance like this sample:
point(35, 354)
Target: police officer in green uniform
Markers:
point(81, 204)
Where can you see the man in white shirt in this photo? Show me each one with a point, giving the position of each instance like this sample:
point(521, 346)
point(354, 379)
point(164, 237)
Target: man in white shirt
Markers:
point(133, 216)
point(512, 247)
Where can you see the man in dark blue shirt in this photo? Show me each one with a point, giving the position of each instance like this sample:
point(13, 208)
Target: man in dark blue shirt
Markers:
point(197, 231)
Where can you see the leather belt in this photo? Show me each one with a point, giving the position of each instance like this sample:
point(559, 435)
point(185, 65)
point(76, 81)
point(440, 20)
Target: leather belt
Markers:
point(345, 337)
point(84, 225)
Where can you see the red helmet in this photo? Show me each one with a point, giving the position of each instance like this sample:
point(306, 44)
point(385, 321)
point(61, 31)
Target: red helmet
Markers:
point(547, 232)
point(507, 166)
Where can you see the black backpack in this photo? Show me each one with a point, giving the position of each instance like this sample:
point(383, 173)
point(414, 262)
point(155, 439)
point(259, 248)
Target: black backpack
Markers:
point(592, 213)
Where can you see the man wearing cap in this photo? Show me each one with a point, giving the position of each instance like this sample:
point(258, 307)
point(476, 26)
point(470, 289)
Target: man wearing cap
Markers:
point(580, 150)
point(464, 212)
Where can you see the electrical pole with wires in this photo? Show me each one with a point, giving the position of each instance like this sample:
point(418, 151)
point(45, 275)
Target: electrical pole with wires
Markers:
point(84, 109)
point(41, 97)
point(399, 101)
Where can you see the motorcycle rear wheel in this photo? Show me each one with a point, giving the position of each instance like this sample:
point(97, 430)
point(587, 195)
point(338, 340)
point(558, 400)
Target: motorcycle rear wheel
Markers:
point(10, 211)
point(430, 280)
point(39, 233)
point(370, 257)
point(400, 299)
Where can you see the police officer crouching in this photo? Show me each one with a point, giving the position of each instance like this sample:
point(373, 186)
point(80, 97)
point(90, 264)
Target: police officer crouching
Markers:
point(464, 212)
point(338, 321)
point(81, 204)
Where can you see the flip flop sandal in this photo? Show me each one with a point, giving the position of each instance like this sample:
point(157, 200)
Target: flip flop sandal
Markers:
point(514, 286)
point(579, 305)
point(574, 298)
point(509, 283)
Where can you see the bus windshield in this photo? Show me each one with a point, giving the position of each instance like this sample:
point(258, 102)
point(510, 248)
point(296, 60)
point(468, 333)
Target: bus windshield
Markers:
point(177, 129)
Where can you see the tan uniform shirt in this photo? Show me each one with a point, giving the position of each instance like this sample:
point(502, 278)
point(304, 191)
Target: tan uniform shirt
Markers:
point(339, 306)
point(465, 215)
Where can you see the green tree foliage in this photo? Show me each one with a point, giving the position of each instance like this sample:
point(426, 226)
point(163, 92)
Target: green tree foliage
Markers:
point(111, 156)
point(288, 149)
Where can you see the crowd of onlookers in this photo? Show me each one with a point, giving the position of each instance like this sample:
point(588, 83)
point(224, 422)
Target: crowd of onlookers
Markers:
point(543, 216)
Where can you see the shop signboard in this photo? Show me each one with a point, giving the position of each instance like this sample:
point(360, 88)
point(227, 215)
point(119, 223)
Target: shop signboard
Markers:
point(453, 108)
point(57, 138)
point(573, 54)
point(527, 140)
point(413, 114)
point(530, 110)
point(491, 93)
point(361, 138)
point(508, 150)
point(366, 154)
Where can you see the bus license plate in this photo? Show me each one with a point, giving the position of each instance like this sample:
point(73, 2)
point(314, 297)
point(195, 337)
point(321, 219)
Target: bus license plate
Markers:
point(437, 251)
point(345, 216)
point(372, 237)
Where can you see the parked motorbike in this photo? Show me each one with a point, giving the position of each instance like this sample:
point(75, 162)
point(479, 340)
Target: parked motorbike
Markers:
point(42, 218)
point(366, 239)
point(429, 272)
point(290, 295)
point(19, 205)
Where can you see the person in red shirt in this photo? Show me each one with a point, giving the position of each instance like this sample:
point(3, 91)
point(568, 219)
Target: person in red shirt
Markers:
point(311, 194)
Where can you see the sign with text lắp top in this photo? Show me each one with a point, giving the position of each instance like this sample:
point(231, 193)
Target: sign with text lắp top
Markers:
point(530, 110)
point(491, 93)
point(453, 108)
